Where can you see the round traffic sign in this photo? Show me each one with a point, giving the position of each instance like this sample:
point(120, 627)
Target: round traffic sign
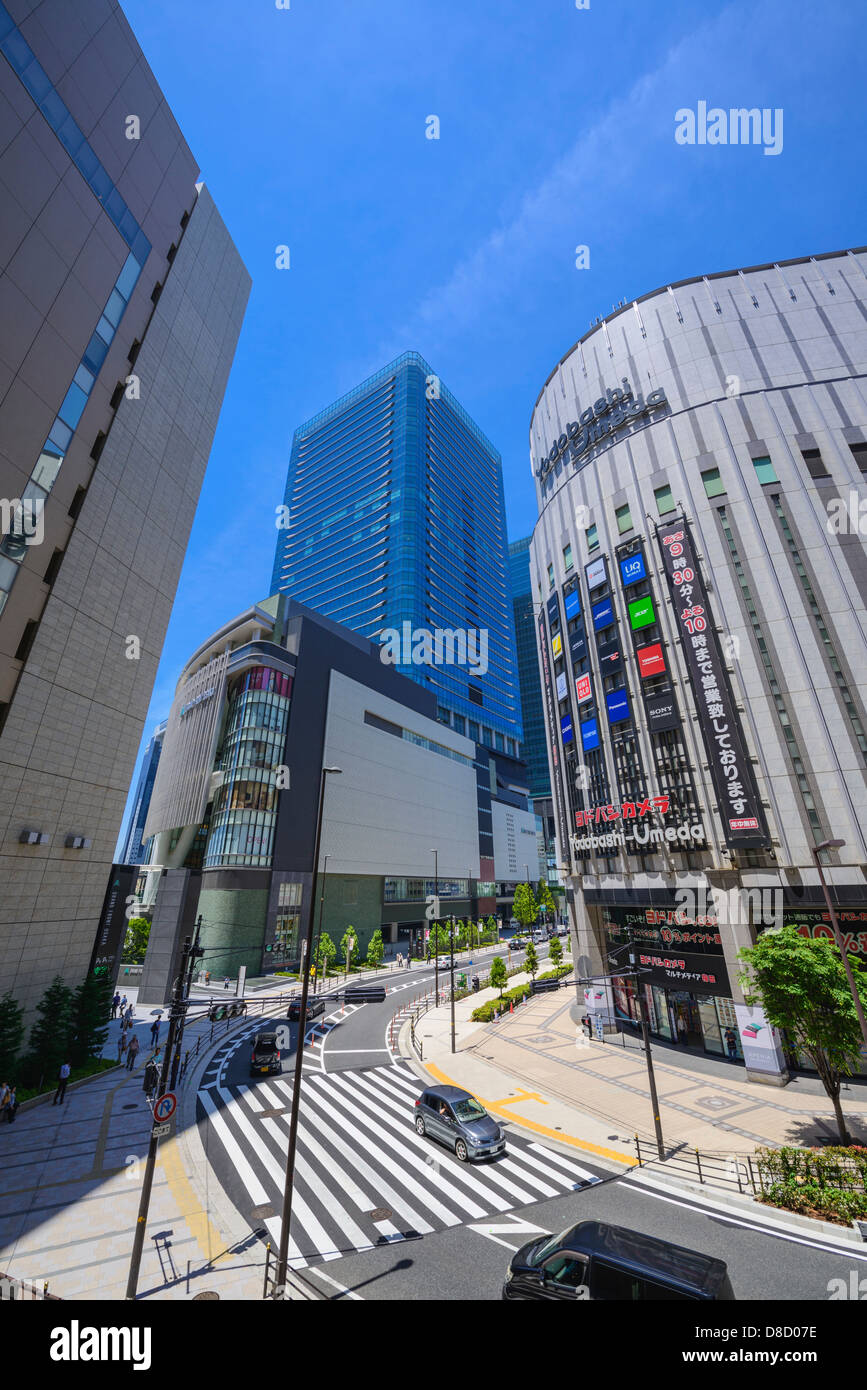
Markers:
point(165, 1107)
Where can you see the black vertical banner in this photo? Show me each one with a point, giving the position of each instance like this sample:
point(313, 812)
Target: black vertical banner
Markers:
point(111, 932)
point(740, 808)
point(557, 756)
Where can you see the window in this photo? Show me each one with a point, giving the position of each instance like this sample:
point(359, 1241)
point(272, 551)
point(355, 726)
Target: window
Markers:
point(664, 499)
point(592, 537)
point(624, 518)
point(474, 731)
point(859, 452)
point(567, 557)
point(459, 723)
point(765, 471)
point(713, 484)
point(550, 576)
point(815, 466)
point(622, 1286)
point(27, 637)
point(568, 1271)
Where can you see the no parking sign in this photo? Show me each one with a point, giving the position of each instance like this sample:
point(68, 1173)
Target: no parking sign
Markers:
point(165, 1107)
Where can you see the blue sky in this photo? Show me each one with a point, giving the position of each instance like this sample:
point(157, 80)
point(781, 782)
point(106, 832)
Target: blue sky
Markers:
point(556, 129)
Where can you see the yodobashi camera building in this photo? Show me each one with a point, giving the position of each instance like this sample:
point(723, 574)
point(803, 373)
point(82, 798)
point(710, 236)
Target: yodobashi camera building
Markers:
point(699, 575)
point(260, 708)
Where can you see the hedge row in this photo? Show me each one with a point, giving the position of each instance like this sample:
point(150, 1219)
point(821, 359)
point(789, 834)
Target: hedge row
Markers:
point(823, 1203)
point(835, 1168)
point(485, 1013)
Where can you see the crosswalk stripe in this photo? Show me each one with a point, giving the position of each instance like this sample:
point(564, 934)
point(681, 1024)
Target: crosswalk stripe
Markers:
point(304, 1169)
point(460, 1172)
point(551, 1156)
point(413, 1147)
point(355, 1116)
point(520, 1155)
point(397, 1200)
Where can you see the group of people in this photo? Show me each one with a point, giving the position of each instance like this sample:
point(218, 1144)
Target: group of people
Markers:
point(8, 1101)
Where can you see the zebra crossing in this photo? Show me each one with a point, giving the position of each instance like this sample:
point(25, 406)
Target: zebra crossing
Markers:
point(314, 1038)
point(363, 1177)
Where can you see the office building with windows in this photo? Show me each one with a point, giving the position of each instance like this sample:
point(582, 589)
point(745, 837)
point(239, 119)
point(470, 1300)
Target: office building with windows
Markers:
point(261, 707)
point(700, 564)
point(394, 525)
point(534, 750)
point(135, 847)
point(121, 302)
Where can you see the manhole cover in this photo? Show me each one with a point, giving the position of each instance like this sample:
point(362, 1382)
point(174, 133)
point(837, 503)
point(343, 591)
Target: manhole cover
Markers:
point(380, 1214)
point(209, 1294)
point(272, 1114)
point(542, 1038)
point(262, 1213)
point(716, 1102)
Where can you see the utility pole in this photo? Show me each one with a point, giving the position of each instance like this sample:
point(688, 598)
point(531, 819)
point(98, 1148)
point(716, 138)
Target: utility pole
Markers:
point(286, 1216)
point(835, 926)
point(645, 1034)
point(452, 972)
point(195, 954)
point(319, 932)
point(175, 1015)
point(435, 926)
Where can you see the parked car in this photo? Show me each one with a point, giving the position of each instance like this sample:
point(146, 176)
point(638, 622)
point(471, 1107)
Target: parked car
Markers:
point(596, 1261)
point(315, 1007)
point(265, 1057)
point(456, 1119)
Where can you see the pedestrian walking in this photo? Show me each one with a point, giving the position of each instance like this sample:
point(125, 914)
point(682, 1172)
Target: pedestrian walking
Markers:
point(10, 1109)
point(114, 1003)
point(681, 1032)
point(130, 1014)
point(4, 1096)
point(122, 1006)
point(207, 977)
point(121, 1046)
point(61, 1084)
point(151, 1077)
point(731, 1038)
point(155, 1032)
point(132, 1053)
point(226, 983)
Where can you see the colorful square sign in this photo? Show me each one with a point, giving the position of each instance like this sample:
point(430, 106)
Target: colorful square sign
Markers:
point(632, 568)
point(589, 734)
point(583, 689)
point(641, 612)
point(557, 645)
point(603, 614)
point(572, 604)
point(618, 706)
point(651, 661)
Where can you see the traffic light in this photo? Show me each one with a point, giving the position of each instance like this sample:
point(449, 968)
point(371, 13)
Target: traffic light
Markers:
point(365, 994)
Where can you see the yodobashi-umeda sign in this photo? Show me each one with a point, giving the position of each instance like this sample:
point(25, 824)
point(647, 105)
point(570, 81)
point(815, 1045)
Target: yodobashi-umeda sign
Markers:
point(735, 786)
point(611, 413)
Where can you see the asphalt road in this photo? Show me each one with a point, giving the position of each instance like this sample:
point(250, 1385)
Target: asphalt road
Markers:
point(448, 1230)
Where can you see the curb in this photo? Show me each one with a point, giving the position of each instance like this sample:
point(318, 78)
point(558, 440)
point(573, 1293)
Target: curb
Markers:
point(770, 1217)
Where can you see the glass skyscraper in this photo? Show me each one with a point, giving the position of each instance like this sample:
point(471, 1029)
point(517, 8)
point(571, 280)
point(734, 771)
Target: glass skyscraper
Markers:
point(134, 849)
point(395, 525)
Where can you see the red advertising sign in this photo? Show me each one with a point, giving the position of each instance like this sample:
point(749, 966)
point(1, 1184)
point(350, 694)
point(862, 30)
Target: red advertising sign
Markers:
point(583, 689)
point(651, 661)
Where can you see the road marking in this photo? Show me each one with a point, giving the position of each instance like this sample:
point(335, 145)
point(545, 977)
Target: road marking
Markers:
point(350, 1293)
point(520, 1097)
point(509, 1228)
point(363, 1050)
point(555, 1134)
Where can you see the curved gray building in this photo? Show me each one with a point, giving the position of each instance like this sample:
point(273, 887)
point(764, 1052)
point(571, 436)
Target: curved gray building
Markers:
point(699, 576)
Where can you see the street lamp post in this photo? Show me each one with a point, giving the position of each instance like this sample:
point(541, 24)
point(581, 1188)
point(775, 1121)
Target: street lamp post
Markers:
point(319, 931)
point(835, 926)
point(645, 1035)
point(286, 1218)
point(452, 972)
point(433, 932)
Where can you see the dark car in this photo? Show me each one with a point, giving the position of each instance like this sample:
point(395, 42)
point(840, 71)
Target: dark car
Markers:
point(458, 1120)
point(265, 1057)
point(315, 1007)
point(610, 1263)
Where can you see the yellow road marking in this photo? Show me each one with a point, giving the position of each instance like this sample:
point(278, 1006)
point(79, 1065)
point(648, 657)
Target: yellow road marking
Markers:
point(521, 1096)
point(573, 1140)
point(198, 1222)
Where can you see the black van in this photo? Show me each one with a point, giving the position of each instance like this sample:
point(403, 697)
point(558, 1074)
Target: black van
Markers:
point(600, 1262)
point(265, 1057)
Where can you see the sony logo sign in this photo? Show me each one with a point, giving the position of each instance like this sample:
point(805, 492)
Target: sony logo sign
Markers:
point(612, 412)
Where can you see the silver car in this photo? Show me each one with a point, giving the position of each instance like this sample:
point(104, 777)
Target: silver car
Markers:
point(456, 1119)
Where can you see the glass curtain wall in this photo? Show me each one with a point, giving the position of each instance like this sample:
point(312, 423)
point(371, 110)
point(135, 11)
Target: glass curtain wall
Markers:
point(245, 807)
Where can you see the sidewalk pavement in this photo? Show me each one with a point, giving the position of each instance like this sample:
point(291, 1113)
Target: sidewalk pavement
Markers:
point(536, 1068)
point(70, 1185)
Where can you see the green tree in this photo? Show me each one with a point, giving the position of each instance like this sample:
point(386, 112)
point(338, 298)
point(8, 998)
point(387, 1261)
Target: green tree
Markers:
point(525, 908)
point(349, 955)
point(555, 951)
point(461, 934)
point(49, 1036)
point(544, 900)
point(136, 942)
point(11, 1035)
point(499, 974)
point(90, 1011)
point(802, 987)
point(375, 950)
point(439, 938)
point(531, 960)
point(325, 954)
point(489, 929)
